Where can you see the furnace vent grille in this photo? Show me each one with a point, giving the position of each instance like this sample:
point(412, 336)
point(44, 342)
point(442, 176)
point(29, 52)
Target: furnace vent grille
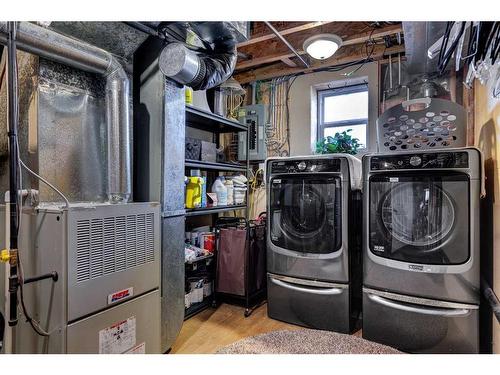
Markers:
point(113, 244)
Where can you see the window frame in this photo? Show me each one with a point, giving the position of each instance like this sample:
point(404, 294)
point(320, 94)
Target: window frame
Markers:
point(344, 90)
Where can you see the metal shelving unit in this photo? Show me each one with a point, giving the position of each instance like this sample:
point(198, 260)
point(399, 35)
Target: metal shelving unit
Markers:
point(217, 125)
point(214, 210)
point(203, 120)
point(223, 167)
point(198, 307)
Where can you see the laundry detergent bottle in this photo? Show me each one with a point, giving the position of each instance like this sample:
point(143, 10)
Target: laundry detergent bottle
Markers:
point(220, 189)
point(230, 191)
point(194, 191)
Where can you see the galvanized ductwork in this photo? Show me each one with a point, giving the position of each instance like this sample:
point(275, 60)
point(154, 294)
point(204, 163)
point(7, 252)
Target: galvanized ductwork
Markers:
point(214, 58)
point(201, 71)
point(59, 48)
point(419, 36)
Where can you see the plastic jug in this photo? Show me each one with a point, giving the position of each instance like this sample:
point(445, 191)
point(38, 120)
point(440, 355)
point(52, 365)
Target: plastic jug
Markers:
point(194, 191)
point(199, 173)
point(230, 191)
point(221, 191)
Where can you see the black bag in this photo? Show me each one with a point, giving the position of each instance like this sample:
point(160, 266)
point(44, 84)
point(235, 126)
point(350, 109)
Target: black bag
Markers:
point(257, 257)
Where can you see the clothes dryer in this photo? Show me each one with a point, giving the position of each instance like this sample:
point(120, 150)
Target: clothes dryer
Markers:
point(313, 244)
point(421, 281)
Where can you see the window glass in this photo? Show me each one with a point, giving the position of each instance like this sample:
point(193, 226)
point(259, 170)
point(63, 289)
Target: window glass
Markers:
point(357, 131)
point(420, 218)
point(346, 107)
point(305, 214)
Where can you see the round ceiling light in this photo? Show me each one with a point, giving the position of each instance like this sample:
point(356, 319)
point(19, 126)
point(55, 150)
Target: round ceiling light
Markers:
point(322, 46)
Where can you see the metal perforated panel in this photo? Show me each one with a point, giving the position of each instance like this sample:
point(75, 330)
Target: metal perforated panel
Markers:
point(429, 124)
point(113, 244)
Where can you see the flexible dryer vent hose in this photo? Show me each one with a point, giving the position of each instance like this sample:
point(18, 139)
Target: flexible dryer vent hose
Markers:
point(201, 71)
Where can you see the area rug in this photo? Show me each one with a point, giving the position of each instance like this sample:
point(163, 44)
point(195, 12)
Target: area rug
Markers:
point(305, 341)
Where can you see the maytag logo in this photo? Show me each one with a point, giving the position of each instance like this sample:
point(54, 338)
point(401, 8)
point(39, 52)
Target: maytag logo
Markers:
point(118, 296)
point(416, 267)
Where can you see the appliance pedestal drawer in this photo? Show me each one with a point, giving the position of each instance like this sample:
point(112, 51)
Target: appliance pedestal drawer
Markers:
point(309, 303)
point(419, 325)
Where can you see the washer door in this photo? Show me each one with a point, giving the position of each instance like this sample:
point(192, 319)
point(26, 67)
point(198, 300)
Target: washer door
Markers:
point(419, 218)
point(305, 213)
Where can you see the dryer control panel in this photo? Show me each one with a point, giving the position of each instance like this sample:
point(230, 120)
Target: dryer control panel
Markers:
point(420, 161)
point(305, 166)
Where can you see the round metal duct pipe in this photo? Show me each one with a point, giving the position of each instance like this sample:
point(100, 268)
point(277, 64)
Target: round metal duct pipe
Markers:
point(181, 64)
point(199, 70)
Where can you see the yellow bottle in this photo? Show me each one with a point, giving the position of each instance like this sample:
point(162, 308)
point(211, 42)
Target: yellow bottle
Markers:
point(193, 192)
point(189, 95)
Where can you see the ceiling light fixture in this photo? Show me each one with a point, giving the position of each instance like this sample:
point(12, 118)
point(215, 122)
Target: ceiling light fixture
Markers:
point(322, 46)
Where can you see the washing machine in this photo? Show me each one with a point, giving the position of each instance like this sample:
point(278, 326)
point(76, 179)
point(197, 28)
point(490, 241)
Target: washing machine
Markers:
point(313, 247)
point(421, 281)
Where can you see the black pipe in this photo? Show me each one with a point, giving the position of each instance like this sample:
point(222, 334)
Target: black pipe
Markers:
point(2, 330)
point(13, 168)
point(492, 298)
point(53, 275)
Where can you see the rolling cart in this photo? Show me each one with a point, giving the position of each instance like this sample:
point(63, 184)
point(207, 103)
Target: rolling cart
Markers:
point(241, 261)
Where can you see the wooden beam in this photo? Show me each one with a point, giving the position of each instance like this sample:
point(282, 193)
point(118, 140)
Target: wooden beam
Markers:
point(357, 39)
point(288, 62)
point(266, 60)
point(345, 55)
point(291, 30)
point(377, 34)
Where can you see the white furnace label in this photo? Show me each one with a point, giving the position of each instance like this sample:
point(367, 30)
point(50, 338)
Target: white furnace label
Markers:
point(118, 338)
point(138, 349)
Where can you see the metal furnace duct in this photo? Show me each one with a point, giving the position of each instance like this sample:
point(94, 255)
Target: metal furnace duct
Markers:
point(419, 36)
point(54, 46)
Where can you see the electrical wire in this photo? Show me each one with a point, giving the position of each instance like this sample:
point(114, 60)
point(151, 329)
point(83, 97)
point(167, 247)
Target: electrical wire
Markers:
point(368, 54)
point(254, 188)
point(18, 197)
point(66, 201)
point(445, 53)
point(33, 323)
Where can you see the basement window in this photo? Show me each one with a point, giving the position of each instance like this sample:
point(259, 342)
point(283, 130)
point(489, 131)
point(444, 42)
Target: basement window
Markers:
point(343, 108)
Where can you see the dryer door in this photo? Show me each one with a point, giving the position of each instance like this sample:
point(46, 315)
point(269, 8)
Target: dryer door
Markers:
point(420, 218)
point(305, 213)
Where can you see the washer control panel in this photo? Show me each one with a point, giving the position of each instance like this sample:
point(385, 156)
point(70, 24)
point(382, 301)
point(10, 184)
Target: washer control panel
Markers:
point(305, 166)
point(420, 161)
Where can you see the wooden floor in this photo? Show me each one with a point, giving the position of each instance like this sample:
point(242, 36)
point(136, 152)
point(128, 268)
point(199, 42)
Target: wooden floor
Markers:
point(213, 329)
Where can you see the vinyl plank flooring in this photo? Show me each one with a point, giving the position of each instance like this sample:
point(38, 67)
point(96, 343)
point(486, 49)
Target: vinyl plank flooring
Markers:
point(212, 329)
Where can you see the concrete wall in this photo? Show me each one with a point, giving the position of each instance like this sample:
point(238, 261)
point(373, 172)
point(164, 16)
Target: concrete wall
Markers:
point(487, 139)
point(303, 105)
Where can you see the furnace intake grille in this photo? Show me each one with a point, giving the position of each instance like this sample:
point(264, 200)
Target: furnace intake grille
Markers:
point(113, 244)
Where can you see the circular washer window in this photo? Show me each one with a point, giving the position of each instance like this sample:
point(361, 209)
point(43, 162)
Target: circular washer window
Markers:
point(418, 214)
point(305, 216)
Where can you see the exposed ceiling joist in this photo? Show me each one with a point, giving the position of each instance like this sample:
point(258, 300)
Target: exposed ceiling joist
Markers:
point(288, 62)
point(347, 55)
point(277, 56)
point(291, 30)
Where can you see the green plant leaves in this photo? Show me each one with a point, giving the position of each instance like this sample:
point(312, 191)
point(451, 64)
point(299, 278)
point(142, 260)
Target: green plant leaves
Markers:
point(340, 143)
